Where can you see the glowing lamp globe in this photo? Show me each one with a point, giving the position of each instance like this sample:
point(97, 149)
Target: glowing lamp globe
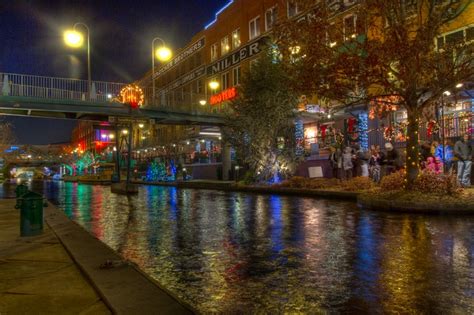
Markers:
point(73, 38)
point(214, 85)
point(163, 53)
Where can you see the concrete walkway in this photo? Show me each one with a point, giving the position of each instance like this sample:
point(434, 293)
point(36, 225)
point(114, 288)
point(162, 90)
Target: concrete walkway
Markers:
point(37, 276)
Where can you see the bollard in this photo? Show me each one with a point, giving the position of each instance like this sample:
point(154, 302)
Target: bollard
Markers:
point(31, 214)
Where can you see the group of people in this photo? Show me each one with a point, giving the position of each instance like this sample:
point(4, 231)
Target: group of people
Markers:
point(447, 158)
point(353, 161)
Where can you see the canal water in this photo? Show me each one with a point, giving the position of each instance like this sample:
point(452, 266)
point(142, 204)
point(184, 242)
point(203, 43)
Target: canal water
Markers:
point(230, 252)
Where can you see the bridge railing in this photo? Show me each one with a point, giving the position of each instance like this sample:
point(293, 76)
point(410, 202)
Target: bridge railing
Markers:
point(13, 84)
point(42, 87)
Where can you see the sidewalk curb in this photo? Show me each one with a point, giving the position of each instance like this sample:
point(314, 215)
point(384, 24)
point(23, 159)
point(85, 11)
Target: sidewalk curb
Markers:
point(124, 289)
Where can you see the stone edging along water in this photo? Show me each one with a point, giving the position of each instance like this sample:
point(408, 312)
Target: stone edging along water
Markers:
point(364, 201)
point(123, 286)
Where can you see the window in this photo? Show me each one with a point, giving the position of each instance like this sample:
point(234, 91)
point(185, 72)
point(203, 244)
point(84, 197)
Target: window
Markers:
point(214, 55)
point(237, 75)
point(200, 86)
point(226, 80)
point(293, 8)
point(270, 18)
point(254, 28)
point(225, 47)
point(350, 30)
point(236, 38)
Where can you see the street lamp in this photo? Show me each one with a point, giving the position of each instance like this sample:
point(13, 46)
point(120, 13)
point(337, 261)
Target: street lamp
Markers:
point(75, 39)
point(214, 85)
point(163, 54)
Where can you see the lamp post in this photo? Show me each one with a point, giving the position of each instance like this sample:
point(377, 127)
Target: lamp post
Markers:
point(163, 54)
point(74, 39)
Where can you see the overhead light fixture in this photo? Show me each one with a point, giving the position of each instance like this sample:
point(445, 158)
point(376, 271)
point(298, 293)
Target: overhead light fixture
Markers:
point(210, 133)
point(447, 93)
point(459, 85)
point(203, 102)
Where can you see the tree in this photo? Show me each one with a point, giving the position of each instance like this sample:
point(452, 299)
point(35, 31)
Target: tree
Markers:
point(261, 125)
point(389, 57)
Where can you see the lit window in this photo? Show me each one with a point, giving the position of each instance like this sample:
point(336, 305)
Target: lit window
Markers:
point(236, 38)
point(350, 30)
point(225, 47)
point(254, 28)
point(270, 18)
point(293, 9)
point(226, 80)
point(214, 54)
point(237, 75)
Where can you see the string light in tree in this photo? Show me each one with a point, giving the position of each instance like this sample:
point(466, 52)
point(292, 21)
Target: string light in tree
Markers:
point(132, 94)
point(384, 104)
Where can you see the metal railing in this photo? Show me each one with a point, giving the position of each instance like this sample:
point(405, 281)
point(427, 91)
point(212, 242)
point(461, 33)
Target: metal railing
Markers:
point(33, 86)
point(13, 84)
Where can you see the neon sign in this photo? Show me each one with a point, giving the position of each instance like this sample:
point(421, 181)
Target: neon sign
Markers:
point(223, 96)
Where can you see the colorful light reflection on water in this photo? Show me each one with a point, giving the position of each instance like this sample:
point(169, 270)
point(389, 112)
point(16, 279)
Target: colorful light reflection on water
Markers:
point(243, 253)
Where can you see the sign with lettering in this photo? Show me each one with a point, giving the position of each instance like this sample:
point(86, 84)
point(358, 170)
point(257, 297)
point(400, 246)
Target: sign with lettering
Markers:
point(223, 96)
point(245, 52)
point(187, 78)
point(181, 56)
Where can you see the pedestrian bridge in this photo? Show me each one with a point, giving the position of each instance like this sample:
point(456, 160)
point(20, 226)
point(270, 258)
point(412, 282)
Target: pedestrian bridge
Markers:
point(39, 96)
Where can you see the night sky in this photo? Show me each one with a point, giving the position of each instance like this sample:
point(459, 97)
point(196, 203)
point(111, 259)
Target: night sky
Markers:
point(31, 34)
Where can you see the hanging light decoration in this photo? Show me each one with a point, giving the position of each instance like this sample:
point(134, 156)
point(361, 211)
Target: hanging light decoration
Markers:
point(133, 95)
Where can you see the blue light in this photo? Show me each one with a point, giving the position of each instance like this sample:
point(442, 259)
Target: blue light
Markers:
point(217, 13)
point(363, 131)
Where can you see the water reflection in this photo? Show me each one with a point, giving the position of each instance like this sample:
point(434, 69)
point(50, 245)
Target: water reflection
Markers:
point(233, 252)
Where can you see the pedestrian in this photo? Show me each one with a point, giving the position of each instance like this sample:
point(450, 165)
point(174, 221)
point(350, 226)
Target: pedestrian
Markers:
point(347, 163)
point(374, 163)
point(362, 160)
point(434, 165)
point(448, 155)
point(335, 160)
point(392, 159)
point(463, 152)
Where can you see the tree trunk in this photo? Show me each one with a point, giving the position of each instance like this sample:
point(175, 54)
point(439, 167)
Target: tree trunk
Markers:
point(412, 149)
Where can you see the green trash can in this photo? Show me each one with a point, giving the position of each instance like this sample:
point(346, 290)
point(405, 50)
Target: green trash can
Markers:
point(20, 190)
point(31, 215)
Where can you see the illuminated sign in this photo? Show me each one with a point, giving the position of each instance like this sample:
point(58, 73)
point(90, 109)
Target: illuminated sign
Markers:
point(223, 96)
point(245, 52)
point(180, 57)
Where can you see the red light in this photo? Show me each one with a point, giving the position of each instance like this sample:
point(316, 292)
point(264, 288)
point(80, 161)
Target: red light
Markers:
point(223, 96)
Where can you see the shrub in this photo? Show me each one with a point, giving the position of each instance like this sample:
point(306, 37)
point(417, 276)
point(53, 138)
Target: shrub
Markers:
point(358, 183)
point(309, 183)
point(430, 182)
point(393, 182)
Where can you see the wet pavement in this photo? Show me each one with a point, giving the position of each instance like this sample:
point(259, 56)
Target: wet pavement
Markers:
point(239, 253)
point(37, 276)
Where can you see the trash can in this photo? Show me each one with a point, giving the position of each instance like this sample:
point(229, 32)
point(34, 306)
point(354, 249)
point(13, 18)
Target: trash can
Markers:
point(31, 215)
point(20, 190)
